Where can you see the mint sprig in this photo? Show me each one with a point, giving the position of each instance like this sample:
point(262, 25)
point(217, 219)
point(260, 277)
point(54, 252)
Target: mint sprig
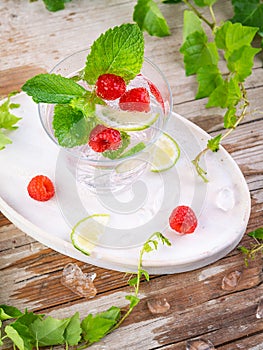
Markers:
point(30, 330)
point(118, 51)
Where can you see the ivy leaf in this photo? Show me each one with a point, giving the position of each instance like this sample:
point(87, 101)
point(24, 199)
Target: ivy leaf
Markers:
point(226, 95)
point(208, 77)
point(72, 333)
point(192, 23)
point(149, 17)
point(97, 326)
point(230, 118)
point(249, 13)
point(15, 337)
point(118, 51)
point(49, 331)
point(133, 300)
point(7, 312)
point(241, 61)
point(55, 5)
point(52, 88)
point(203, 3)
point(198, 52)
point(258, 233)
point(71, 127)
point(125, 141)
point(213, 144)
point(230, 37)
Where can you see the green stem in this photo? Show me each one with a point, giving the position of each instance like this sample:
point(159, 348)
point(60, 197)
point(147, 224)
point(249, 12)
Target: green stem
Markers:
point(213, 17)
point(199, 14)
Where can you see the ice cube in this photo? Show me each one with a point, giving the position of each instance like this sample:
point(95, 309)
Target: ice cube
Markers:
point(158, 305)
point(231, 280)
point(259, 313)
point(199, 344)
point(78, 282)
point(225, 199)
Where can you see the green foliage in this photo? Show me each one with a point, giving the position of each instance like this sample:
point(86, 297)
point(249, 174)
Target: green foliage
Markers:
point(118, 51)
point(55, 5)
point(7, 121)
point(257, 234)
point(52, 88)
point(71, 128)
point(149, 18)
point(7, 312)
point(213, 144)
point(255, 248)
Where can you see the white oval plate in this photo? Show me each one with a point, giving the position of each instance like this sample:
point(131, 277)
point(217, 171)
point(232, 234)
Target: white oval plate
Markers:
point(222, 205)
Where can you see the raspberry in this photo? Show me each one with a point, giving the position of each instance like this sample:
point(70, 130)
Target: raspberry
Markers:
point(183, 219)
point(103, 139)
point(156, 93)
point(137, 99)
point(110, 86)
point(41, 188)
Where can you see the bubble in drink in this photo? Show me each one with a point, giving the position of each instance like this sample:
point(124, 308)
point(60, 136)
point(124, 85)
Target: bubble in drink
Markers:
point(199, 344)
point(231, 280)
point(158, 305)
point(79, 282)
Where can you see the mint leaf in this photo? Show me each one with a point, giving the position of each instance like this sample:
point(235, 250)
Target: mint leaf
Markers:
point(125, 141)
point(198, 52)
point(230, 37)
point(72, 334)
point(230, 118)
point(135, 149)
point(97, 326)
point(70, 126)
point(87, 103)
point(208, 77)
point(55, 5)
point(118, 51)
point(52, 88)
point(257, 234)
point(249, 13)
point(213, 144)
point(149, 17)
point(226, 95)
point(49, 331)
point(241, 61)
point(15, 337)
point(203, 3)
point(192, 23)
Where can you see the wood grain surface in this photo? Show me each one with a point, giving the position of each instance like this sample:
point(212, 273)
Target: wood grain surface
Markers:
point(32, 40)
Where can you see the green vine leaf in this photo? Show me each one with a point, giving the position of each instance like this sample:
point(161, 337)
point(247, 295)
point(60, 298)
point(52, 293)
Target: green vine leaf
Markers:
point(249, 13)
point(213, 144)
point(209, 78)
point(149, 17)
point(198, 52)
point(230, 118)
point(226, 95)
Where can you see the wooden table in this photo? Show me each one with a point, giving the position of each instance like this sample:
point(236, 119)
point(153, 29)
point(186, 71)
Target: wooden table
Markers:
point(32, 40)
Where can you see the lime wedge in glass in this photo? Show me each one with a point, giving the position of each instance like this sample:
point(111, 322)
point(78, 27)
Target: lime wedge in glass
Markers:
point(166, 153)
point(125, 120)
point(87, 232)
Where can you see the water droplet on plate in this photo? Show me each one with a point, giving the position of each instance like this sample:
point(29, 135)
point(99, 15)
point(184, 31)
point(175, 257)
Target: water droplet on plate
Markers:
point(78, 282)
point(231, 280)
point(259, 313)
point(225, 199)
point(158, 305)
point(199, 344)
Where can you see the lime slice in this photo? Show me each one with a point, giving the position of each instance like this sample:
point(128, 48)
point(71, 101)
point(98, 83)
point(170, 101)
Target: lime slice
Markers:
point(166, 153)
point(125, 120)
point(87, 231)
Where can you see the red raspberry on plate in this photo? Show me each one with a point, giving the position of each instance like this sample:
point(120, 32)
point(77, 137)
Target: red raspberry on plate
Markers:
point(110, 86)
point(183, 219)
point(137, 99)
point(103, 139)
point(41, 188)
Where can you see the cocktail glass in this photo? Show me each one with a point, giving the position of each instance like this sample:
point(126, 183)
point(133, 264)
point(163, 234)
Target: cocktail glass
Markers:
point(99, 173)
